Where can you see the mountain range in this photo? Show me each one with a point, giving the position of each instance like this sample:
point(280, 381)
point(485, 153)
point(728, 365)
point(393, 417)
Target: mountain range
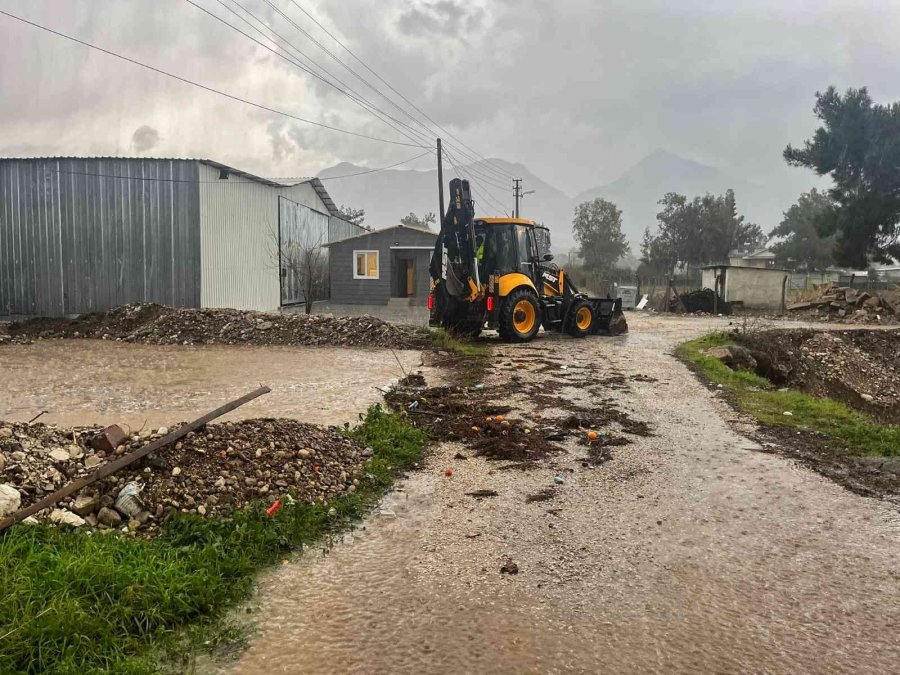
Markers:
point(389, 195)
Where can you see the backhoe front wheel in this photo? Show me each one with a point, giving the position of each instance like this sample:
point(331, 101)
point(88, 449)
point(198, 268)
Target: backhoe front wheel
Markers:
point(520, 316)
point(581, 319)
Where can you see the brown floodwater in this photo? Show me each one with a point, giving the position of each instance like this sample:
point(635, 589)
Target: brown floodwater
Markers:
point(689, 551)
point(99, 382)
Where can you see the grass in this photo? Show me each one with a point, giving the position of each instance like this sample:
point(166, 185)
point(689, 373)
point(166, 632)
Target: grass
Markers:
point(76, 602)
point(473, 355)
point(757, 396)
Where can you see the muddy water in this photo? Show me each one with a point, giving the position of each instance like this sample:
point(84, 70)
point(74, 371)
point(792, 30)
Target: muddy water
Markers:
point(688, 551)
point(92, 381)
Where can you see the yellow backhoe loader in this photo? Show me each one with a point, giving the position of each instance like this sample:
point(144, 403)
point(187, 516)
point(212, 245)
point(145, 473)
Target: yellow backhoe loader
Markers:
point(499, 273)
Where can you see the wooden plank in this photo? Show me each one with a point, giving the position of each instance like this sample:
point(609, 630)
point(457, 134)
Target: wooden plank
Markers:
point(130, 458)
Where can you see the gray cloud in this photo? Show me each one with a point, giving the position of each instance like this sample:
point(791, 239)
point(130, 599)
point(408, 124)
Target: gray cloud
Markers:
point(144, 138)
point(577, 90)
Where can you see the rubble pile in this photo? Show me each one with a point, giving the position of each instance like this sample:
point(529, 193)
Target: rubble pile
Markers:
point(155, 324)
point(850, 305)
point(702, 301)
point(211, 471)
point(859, 367)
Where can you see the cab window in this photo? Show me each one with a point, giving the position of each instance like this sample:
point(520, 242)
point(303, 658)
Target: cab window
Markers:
point(526, 248)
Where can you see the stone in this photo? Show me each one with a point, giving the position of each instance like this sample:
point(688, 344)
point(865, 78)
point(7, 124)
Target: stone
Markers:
point(6, 432)
point(59, 455)
point(176, 471)
point(64, 517)
point(162, 431)
point(86, 504)
point(303, 453)
point(265, 325)
point(2, 461)
point(735, 357)
point(10, 500)
point(109, 517)
point(75, 452)
point(201, 510)
point(867, 397)
point(108, 439)
point(91, 461)
point(134, 524)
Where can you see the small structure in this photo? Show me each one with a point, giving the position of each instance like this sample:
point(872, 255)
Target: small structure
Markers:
point(385, 266)
point(759, 288)
point(87, 234)
point(762, 257)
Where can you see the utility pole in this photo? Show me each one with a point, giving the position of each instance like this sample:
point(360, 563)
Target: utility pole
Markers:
point(517, 191)
point(440, 184)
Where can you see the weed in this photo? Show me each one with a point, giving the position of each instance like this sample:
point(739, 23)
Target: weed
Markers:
point(73, 601)
point(472, 355)
point(757, 396)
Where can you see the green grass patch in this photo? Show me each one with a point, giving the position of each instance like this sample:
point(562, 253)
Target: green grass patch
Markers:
point(473, 355)
point(79, 602)
point(757, 396)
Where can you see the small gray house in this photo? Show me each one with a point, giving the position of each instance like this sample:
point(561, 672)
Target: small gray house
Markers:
point(374, 267)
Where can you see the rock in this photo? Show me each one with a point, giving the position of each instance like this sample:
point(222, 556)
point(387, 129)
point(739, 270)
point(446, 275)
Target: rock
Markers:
point(108, 439)
point(162, 431)
point(509, 567)
point(91, 461)
point(6, 432)
point(63, 517)
point(303, 453)
point(265, 325)
point(176, 471)
point(86, 504)
point(2, 461)
point(867, 397)
point(109, 517)
point(735, 357)
point(10, 500)
point(201, 510)
point(134, 524)
point(59, 455)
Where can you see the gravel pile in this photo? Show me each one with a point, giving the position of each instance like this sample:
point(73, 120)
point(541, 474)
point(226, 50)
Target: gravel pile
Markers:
point(209, 472)
point(850, 305)
point(859, 367)
point(155, 324)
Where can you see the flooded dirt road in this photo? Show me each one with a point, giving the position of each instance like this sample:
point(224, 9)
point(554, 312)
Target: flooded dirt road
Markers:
point(101, 382)
point(687, 551)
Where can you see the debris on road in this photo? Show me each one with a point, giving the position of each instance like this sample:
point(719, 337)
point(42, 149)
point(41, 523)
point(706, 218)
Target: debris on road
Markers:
point(481, 494)
point(155, 324)
point(509, 567)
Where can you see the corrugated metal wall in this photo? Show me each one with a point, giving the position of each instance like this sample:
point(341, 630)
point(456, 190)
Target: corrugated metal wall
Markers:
point(80, 235)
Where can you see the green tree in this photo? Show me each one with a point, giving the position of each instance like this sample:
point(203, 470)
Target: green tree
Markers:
point(858, 146)
point(598, 230)
point(412, 220)
point(802, 245)
point(355, 216)
point(697, 232)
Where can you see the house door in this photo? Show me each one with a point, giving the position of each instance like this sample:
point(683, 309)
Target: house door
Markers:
point(410, 278)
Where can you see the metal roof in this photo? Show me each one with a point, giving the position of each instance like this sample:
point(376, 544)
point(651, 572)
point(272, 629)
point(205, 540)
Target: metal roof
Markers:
point(384, 229)
point(315, 183)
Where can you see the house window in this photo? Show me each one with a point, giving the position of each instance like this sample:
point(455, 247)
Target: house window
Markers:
point(366, 265)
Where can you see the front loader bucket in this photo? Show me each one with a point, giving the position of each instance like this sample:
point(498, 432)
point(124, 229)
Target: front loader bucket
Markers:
point(609, 317)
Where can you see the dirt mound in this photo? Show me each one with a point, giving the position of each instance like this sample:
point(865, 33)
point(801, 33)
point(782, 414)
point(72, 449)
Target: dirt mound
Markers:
point(212, 471)
point(155, 324)
point(849, 305)
point(859, 367)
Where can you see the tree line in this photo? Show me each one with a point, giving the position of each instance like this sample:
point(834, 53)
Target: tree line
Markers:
point(854, 223)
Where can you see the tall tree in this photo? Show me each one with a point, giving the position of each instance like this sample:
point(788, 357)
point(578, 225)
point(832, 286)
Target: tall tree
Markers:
point(412, 220)
point(355, 216)
point(598, 230)
point(802, 245)
point(858, 146)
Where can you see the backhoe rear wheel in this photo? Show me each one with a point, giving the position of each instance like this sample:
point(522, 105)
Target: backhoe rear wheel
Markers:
point(520, 316)
point(580, 319)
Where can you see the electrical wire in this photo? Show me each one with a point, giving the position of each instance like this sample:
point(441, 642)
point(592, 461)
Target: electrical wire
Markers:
point(419, 139)
point(386, 83)
point(203, 86)
point(486, 192)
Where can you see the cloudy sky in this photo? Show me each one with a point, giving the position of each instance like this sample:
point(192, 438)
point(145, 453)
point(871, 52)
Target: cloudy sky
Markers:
point(577, 90)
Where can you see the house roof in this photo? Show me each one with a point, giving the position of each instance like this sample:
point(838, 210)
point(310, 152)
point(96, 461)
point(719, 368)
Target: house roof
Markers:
point(382, 230)
point(758, 254)
point(314, 182)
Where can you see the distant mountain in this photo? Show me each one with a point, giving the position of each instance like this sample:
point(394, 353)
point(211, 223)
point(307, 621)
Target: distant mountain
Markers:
point(389, 195)
point(638, 191)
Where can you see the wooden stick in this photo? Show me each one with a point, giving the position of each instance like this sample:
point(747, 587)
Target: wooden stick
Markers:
point(122, 462)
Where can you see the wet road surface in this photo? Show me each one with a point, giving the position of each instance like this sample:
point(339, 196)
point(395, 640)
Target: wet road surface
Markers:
point(687, 551)
point(99, 382)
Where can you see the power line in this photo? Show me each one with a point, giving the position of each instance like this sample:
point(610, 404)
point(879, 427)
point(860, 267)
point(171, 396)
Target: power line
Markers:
point(366, 66)
point(488, 194)
point(203, 86)
point(419, 140)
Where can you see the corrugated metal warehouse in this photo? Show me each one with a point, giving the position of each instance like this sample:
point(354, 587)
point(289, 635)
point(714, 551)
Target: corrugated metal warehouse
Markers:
point(80, 235)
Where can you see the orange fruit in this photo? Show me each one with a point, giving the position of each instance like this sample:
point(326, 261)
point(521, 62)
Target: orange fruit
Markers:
point(592, 435)
point(499, 418)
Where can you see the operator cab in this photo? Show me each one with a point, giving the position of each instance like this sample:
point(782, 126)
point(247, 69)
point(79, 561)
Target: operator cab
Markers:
point(514, 245)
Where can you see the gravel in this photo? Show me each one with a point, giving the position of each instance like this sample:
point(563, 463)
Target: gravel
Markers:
point(155, 324)
point(209, 472)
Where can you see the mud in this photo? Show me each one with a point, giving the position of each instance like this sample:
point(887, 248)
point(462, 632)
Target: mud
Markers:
point(689, 550)
point(82, 382)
